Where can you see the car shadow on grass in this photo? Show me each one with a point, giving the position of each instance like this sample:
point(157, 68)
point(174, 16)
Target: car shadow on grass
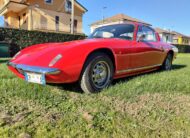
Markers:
point(177, 67)
point(74, 87)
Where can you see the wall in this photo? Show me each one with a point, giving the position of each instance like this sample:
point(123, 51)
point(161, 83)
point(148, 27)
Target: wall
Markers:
point(45, 20)
point(24, 24)
point(58, 6)
point(1, 3)
point(167, 38)
point(12, 19)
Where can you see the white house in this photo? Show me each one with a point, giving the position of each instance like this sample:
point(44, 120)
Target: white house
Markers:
point(119, 18)
point(166, 35)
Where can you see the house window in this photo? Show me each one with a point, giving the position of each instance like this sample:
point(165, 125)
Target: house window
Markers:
point(57, 23)
point(19, 20)
point(49, 1)
point(24, 18)
point(56, 19)
point(75, 25)
point(68, 6)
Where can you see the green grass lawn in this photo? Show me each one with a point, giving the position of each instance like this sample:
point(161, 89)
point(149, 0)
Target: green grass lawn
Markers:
point(151, 105)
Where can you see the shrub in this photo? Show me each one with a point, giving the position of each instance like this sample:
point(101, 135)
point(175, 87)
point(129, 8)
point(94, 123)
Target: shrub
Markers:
point(183, 48)
point(25, 38)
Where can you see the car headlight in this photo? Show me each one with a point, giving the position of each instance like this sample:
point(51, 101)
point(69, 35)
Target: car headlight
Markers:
point(55, 60)
point(16, 55)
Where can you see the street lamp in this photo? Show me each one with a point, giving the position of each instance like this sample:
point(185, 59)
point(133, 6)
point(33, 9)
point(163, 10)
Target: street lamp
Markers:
point(103, 13)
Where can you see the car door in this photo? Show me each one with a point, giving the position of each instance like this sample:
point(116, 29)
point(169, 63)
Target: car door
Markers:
point(147, 50)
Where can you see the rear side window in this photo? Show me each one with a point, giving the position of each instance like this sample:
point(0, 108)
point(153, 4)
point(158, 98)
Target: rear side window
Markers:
point(149, 33)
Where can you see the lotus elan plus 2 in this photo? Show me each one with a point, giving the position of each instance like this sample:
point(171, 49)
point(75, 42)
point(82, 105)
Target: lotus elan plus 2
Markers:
point(110, 52)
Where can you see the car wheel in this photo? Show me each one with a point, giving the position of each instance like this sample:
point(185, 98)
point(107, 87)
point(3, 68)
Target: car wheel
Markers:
point(167, 65)
point(97, 73)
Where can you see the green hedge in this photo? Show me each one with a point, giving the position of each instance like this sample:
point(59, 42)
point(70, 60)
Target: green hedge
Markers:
point(25, 38)
point(183, 48)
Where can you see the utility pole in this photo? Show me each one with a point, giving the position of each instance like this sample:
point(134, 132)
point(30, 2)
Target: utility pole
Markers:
point(72, 16)
point(103, 17)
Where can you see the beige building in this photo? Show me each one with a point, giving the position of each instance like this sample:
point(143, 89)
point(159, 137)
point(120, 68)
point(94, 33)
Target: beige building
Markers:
point(43, 15)
point(119, 18)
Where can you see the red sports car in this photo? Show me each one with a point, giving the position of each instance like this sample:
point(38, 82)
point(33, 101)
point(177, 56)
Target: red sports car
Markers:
point(109, 53)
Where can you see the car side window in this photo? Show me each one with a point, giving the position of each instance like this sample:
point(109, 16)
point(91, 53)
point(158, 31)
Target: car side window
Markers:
point(149, 33)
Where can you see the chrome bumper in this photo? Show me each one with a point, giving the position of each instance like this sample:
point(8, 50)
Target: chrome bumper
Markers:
point(175, 49)
point(25, 68)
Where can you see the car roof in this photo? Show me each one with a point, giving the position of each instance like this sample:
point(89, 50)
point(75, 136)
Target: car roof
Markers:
point(127, 23)
point(137, 23)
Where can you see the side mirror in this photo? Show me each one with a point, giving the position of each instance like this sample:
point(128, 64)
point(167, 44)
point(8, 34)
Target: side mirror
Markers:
point(141, 37)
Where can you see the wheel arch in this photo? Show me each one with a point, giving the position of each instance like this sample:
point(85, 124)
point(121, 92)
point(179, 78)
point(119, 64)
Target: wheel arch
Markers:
point(107, 51)
point(171, 52)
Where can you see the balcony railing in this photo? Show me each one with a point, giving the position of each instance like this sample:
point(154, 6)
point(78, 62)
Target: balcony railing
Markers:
point(56, 27)
point(43, 27)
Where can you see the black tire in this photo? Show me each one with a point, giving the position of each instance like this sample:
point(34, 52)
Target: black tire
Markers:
point(91, 77)
point(167, 65)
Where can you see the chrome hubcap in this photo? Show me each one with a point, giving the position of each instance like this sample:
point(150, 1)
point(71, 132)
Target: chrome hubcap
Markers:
point(100, 74)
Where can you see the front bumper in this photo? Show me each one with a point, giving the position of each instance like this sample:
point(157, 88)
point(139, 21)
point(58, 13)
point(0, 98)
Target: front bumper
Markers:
point(176, 51)
point(26, 68)
point(52, 75)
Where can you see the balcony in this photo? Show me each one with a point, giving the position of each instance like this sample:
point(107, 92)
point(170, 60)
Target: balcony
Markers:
point(12, 5)
point(53, 28)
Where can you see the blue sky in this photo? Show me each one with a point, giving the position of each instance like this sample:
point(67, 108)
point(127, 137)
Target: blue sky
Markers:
point(168, 14)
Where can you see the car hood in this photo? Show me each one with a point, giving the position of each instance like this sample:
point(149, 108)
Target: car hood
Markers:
point(43, 54)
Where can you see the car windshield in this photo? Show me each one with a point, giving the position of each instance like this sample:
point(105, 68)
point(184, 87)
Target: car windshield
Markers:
point(123, 31)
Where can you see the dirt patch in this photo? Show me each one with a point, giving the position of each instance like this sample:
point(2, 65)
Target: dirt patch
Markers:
point(5, 119)
point(87, 116)
point(18, 110)
point(24, 135)
point(52, 117)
